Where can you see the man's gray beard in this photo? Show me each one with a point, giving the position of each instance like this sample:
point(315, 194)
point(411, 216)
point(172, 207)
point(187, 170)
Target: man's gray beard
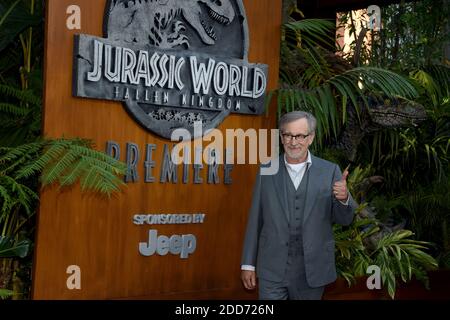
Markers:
point(299, 155)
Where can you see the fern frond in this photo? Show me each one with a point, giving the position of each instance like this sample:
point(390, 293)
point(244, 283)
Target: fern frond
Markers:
point(13, 110)
point(66, 161)
point(18, 157)
point(6, 199)
point(60, 161)
point(99, 179)
point(12, 154)
point(72, 174)
point(20, 193)
point(24, 96)
point(59, 166)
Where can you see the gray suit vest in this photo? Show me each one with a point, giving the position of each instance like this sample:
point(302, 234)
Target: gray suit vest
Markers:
point(295, 200)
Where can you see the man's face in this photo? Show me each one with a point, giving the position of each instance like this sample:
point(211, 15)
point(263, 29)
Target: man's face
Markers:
point(296, 140)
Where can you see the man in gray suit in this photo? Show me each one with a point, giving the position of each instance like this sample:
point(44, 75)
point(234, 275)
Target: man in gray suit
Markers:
point(289, 241)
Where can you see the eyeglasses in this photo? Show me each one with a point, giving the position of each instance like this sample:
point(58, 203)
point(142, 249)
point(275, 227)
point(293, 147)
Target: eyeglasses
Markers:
point(299, 137)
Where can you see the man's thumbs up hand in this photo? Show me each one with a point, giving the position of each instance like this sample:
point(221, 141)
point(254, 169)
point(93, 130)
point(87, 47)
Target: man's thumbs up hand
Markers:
point(345, 175)
point(340, 187)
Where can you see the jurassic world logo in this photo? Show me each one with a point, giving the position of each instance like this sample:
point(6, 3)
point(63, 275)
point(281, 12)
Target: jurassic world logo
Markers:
point(172, 63)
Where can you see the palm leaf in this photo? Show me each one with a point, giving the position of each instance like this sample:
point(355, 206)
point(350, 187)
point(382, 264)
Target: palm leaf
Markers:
point(377, 80)
point(323, 100)
point(425, 80)
point(312, 31)
point(397, 255)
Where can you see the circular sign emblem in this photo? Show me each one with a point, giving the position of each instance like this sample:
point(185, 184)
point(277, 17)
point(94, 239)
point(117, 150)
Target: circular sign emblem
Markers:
point(173, 63)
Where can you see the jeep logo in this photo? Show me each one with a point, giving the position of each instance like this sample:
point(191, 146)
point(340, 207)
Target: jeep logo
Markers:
point(182, 245)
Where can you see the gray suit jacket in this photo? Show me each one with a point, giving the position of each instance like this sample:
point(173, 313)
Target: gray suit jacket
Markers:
point(267, 235)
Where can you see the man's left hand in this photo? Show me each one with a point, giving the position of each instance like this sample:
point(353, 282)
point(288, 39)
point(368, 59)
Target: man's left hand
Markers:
point(340, 188)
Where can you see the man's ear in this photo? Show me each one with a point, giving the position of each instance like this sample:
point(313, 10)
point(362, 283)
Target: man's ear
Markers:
point(312, 136)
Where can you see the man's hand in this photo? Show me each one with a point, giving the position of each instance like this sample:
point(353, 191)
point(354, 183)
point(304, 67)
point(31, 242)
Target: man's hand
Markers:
point(340, 187)
point(248, 279)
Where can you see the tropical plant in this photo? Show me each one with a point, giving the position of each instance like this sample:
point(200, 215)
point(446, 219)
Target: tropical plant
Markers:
point(424, 149)
point(366, 242)
point(400, 257)
point(352, 258)
point(415, 163)
point(314, 79)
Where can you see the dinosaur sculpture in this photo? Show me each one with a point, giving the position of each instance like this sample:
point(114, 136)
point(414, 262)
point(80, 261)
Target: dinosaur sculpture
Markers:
point(377, 115)
point(157, 22)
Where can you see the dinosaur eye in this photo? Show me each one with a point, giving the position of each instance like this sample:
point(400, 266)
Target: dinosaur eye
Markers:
point(218, 2)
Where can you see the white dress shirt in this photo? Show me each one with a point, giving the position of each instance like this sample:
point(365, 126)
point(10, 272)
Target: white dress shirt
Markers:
point(297, 171)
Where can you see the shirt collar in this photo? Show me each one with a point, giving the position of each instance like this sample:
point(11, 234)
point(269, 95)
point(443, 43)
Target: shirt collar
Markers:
point(293, 166)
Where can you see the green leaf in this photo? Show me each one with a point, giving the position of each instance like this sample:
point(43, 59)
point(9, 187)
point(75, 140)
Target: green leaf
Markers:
point(5, 293)
point(11, 249)
point(14, 18)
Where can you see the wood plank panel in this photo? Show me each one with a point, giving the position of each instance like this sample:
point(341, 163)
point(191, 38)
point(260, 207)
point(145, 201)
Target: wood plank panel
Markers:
point(97, 233)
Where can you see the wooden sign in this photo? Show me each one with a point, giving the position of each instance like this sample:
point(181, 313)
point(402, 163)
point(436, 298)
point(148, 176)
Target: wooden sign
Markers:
point(176, 231)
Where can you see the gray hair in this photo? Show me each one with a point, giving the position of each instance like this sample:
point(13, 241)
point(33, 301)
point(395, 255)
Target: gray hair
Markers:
point(295, 115)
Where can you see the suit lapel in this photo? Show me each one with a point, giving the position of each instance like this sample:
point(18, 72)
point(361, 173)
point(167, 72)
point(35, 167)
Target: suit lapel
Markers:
point(312, 191)
point(280, 185)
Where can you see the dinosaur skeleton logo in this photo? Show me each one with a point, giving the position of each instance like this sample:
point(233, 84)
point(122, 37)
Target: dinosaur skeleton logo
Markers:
point(172, 63)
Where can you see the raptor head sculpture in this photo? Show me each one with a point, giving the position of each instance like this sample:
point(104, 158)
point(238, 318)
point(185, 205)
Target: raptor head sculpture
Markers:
point(378, 114)
point(393, 113)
